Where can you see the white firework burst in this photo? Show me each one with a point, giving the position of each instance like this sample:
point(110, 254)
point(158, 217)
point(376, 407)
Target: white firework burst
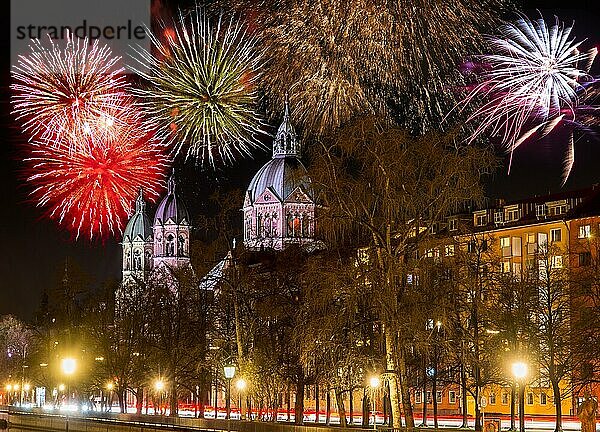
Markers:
point(532, 82)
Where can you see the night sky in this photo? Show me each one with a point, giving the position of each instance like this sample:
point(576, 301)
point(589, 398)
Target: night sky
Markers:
point(34, 250)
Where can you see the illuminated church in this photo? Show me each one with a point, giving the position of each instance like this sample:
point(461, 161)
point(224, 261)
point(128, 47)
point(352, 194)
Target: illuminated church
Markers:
point(278, 210)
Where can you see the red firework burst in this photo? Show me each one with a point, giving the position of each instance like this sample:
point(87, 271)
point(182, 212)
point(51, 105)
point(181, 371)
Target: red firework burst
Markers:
point(62, 94)
point(91, 191)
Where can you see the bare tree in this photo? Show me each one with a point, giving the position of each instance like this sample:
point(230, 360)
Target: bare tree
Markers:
point(383, 189)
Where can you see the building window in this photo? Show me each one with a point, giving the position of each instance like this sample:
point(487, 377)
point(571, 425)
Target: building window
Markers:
point(181, 245)
point(585, 231)
point(259, 225)
point(248, 228)
point(452, 225)
point(418, 397)
point(555, 235)
point(504, 398)
point(449, 252)
point(505, 246)
point(529, 398)
point(498, 217)
point(585, 259)
point(556, 262)
point(481, 220)
point(540, 210)
point(492, 398)
point(170, 245)
point(438, 396)
point(452, 396)
point(137, 259)
point(513, 215)
point(543, 398)
point(505, 267)
point(429, 400)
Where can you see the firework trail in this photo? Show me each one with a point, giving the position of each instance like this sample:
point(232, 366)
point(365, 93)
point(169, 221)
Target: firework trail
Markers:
point(65, 94)
point(201, 87)
point(396, 60)
point(535, 81)
point(90, 192)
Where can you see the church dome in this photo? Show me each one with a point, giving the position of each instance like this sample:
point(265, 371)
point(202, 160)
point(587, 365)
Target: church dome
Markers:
point(139, 223)
point(171, 207)
point(282, 175)
point(284, 172)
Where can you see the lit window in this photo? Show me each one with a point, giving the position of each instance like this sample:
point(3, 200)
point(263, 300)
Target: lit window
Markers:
point(438, 396)
point(429, 400)
point(505, 267)
point(555, 235)
point(540, 210)
point(481, 220)
point(556, 262)
point(452, 225)
point(449, 250)
point(498, 217)
point(492, 398)
point(543, 398)
point(504, 242)
point(452, 396)
point(585, 231)
point(504, 398)
point(418, 397)
point(529, 398)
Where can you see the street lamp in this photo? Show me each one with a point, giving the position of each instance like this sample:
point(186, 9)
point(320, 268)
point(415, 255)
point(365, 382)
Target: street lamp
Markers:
point(229, 374)
point(109, 387)
point(159, 385)
point(374, 383)
point(241, 385)
point(68, 366)
point(519, 371)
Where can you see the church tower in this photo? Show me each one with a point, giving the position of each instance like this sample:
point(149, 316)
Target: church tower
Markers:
point(279, 205)
point(137, 244)
point(171, 230)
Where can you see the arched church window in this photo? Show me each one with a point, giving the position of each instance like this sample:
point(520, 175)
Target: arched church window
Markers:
point(259, 225)
point(181, 245)
point(148, 260)
point(128, 260)
point(274, 231)
point(305, 227)
point(170, 246)
point(137, 259)
point(248, 228)
point(294, 225)
point(268, 226)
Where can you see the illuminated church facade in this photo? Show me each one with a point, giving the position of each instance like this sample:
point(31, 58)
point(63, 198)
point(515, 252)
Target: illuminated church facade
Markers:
point(278, 210)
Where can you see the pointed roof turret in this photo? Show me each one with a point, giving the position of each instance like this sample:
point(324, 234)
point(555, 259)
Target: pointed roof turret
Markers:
point(139, 223)
point(172, 206)
point(286, 143)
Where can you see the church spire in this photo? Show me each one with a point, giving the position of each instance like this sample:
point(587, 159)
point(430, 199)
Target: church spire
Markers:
point(286, 143)
point(140, 204)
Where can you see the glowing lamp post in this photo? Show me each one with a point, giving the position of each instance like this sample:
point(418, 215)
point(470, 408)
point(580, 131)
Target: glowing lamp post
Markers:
point(159, 385)
point(68, 366)
point(374, 383)
point(519, 371)
point(241, 385)
point(229, 374)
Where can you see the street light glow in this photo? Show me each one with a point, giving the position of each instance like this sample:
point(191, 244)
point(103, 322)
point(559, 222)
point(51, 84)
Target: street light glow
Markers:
point(519, 370)
point(159, 385)
point(61, 387)
point(26, 387)
point(374, 382)
point(68, 366)
point(8, 387)
point(241, 384)
point(109, 386)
